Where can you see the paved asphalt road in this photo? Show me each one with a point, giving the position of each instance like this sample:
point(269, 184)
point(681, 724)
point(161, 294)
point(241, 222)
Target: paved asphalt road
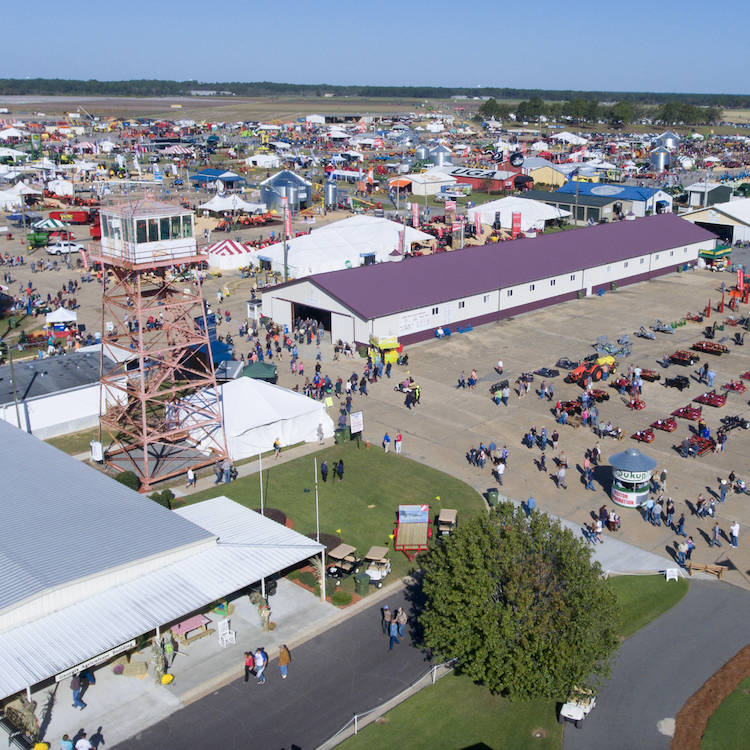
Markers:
point(346, 669)
point(662, 665)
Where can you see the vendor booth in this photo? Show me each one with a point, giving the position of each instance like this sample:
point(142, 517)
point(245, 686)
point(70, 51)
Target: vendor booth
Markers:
point(62, 320)
point(631, 477)
point(229, 255)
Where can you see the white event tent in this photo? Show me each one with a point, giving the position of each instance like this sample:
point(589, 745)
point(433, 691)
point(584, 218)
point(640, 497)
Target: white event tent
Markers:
point(342, 244)
point(533, 213)
point(229, 254)
point(269, 161)
point(9, 201)
point(256, 413)
point(232, 203)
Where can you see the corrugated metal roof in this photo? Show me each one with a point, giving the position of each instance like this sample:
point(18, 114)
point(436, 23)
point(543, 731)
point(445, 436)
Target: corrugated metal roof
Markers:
point(250, 547)
point(389, 288)
point(63, 520)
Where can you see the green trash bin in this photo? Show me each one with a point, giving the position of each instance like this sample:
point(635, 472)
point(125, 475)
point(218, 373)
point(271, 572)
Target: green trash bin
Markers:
point(362, 584)
point(339, 435)
point(347, 434)
point(581, 294)
point(12, 323)
point(613, 286)
point(493, 497)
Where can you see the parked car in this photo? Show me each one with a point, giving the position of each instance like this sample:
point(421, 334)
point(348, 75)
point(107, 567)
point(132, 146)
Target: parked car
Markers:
point(63, 247)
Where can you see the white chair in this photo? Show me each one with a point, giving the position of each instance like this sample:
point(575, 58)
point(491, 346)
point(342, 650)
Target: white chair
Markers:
point(225, 634)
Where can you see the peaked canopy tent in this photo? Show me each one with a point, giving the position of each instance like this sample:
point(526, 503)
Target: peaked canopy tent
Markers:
point(229, 254)
point(269, 161)
point(60, 187)
point(9, 133)
point(9, 201)
point(21, 188)
point(570, 138)
point(61, 315)
point(211, 176)
point(256, 413)
point(533, 213)
point(359, 240)
point(221, 203)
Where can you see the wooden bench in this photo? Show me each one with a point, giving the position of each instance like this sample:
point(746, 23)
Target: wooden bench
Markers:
point(717, 570)
point(574, 420)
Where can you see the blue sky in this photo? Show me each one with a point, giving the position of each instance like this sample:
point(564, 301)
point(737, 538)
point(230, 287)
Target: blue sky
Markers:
point(641, 45)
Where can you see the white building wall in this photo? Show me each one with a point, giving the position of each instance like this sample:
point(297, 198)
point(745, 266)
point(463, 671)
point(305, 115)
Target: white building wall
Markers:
point(525, 294)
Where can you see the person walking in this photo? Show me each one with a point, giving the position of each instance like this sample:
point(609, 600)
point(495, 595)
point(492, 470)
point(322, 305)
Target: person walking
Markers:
point(398, 442)
point(656, 513)
point(75, 686)
point(249, 665)
point(276, 448)
point(663, 480)
point(393, 631)
point(530, 506)
point(386, 442)
point(285, 659)
point(227, 466)
point(734, 532)
point(670, 513)
point(650, 510)
point(543, 439)
point(681, 525)
point(219, 472)
point(716, 535)
point(340, 470)
point(598, 531)
point(561, 477)
point(506, 395)
point(65, 743)
point(385, 622)
point(499, 471)
point(723, 489)
point(401, 620)
point(260, 666)
point(190, 478)
point(320, 434)
point(681, 552)
point(711, 377)
point(324, 471)
point(543, 462)
point(590, 479)
point(462, 380)
point(550, 391)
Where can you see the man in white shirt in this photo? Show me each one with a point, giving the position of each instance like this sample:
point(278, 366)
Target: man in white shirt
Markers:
point(734, 531)
point(83, 743)
point(499, 472)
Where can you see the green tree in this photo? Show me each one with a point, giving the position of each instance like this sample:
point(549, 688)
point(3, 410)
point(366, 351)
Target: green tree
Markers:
point(521, 605)
point(622, 114)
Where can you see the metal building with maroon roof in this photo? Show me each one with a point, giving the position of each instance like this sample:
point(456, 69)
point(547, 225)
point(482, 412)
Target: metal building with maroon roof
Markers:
point(481, 284)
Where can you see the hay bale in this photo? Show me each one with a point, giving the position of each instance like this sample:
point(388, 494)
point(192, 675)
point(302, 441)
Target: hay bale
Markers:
point(135, 669)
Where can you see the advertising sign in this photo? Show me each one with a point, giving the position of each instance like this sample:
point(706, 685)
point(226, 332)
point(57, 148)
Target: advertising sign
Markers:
point(94, 661)
point(413, 513)
point(516, 224)
point(450, 206)
point(414, 215)
point(413, 322)
point(478, 223)
point(356, 422)
point(287, 216)
point(740, 280)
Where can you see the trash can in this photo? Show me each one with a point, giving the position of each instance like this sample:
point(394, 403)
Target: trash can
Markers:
point(493, 496)
point(339, 435)
point(362, 582)
point(613, 286)
point(12, 323)
point(347, 434)
point(581, 294)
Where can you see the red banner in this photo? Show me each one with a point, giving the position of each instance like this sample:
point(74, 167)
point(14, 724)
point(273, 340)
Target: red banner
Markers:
point(85, 259)
point(516, 224)
point(450, 205)
point(456, 226)
point(287, 216)
point(740, 280)
point(478, 223)
point(415, 215)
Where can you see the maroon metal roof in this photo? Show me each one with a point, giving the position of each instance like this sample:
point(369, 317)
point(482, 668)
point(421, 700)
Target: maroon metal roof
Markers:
point(388, 288)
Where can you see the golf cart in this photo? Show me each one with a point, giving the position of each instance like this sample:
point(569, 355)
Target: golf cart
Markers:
point(446, 522)
point(343, 561)
point(580, 704)
point(378, 565)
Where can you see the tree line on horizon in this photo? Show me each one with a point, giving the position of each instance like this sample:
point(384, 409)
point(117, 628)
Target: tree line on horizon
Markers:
point(622, 113)
point(159, 88)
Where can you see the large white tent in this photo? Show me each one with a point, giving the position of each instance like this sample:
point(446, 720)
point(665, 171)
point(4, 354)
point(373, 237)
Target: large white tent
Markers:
point(9, 201)
point(12, 133)
point(256, 413)
point(60, 187)
point(229, 254)
point(533, 213)
point(232, 203)
point(342, 244)
point(570, 138)
point(268, 161)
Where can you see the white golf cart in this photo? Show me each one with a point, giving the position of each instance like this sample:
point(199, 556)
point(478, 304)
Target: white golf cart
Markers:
point(378, 566)
point(580, 704)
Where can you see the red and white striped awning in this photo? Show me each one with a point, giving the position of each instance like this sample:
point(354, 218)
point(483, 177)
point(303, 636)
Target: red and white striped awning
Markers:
point(227, 248)
point(176, 150)
point(85, 146)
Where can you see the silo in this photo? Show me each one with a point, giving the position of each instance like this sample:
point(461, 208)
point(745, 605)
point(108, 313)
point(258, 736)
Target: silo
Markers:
point(441, 156)
point(660, 159)
point(668, 140)
point(422, 153)
point(292, 194)
point(331, 193)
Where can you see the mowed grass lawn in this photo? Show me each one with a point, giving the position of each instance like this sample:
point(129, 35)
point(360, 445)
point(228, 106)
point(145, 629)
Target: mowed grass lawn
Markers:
point(729, 727)
point(455, 714)
point(363, 506)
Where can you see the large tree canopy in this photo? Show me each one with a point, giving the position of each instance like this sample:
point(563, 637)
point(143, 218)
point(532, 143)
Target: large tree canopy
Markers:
point(521, 605)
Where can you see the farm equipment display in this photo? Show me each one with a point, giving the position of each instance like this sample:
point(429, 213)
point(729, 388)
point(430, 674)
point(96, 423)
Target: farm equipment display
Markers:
point(637, 404)
point(567, 364)
point(696, 318)
point(712, 398)
point(591, 369)
point(660, 327)
point(343, 562)
point(680, 382)
point(498, 386)
point(650, 375)
point(668, 425)
point(571, 407)
point(546, 372)
point(699, 446)
point(377, 565)
point(644, 334)
point(693, 413)
point(710, 347)
point(736, 386)
point(681, 357)
point(599, 395)
point(623, 347)
point(732, 423)
point(645, 436)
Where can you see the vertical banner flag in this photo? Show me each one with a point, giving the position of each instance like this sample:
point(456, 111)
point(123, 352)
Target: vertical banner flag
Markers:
point(287, 216)
point(401, 242)
point(478, 223)
point(85, 259)
point(740, 280)
point(516, 224)
point(415, 215)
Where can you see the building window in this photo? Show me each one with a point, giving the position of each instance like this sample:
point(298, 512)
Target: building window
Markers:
point(685, 250)
point(671, 253)
point(532, 287)
point(509, 292)
point(609, 268)
point(625, 265)
point(643, 260)
point(552, 282)
point(572, 277)
point(486, 298)
point(435, 310)
point(461, 305)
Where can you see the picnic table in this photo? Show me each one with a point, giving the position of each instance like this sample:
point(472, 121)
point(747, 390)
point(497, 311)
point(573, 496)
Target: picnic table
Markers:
point(196, 622)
